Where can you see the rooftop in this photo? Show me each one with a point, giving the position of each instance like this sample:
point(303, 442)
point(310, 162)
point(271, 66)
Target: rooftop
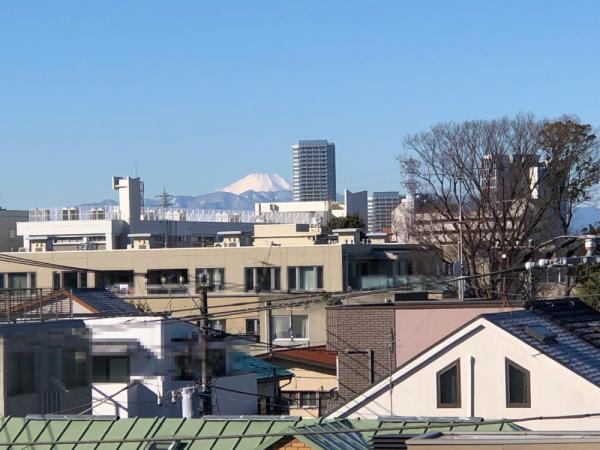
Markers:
point(573, 314)
point(317, 355)
point(224, 433)
point(566, 347)
point(104, 302)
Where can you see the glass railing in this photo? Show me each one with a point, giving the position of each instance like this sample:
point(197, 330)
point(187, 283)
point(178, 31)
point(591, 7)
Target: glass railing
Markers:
point(400, 282)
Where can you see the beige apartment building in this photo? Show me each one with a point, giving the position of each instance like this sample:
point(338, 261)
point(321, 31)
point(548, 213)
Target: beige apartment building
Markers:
point(168, 280)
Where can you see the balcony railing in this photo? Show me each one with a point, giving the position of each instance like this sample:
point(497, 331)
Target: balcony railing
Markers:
point(167, 289)
point(74, 213)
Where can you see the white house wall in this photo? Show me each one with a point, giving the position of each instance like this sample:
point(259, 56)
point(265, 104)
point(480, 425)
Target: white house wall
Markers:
point(555, 390)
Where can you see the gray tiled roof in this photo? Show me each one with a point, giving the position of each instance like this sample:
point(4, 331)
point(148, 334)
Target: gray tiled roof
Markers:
point(573, 314)
point(569, 349)
point(106, 302)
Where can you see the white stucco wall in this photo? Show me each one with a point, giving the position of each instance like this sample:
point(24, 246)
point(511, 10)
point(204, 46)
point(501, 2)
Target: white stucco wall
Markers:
point(555, 390)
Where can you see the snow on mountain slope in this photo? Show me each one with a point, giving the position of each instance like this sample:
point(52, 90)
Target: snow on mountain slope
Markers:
point(258, 182)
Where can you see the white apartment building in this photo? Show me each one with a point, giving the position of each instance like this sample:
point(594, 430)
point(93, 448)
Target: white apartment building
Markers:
point(313, 212)
point(117, 227)
point(313, 170)
point(155, 357)
point(380, 207)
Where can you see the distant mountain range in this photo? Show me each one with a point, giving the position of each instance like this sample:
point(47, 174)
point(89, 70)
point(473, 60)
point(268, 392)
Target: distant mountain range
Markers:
point(240, 195)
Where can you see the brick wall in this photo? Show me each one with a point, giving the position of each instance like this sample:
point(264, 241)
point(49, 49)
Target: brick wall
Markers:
point(290, 444)
point(359, 336)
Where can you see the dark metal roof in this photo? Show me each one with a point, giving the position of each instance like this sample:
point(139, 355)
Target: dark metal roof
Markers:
point(568, 349)
point(105, 302)
point(572, 314)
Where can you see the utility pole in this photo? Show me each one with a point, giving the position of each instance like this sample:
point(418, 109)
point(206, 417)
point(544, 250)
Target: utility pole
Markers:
point(390, 347)
point(203, 334)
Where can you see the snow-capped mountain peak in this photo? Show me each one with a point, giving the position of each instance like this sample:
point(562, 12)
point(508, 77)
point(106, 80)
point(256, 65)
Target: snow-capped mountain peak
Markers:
point(258, 182)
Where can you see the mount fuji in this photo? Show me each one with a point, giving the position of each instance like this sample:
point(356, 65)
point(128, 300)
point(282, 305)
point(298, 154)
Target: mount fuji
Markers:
point(239, 195)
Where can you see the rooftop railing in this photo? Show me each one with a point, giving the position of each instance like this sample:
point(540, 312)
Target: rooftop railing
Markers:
point(177, 214)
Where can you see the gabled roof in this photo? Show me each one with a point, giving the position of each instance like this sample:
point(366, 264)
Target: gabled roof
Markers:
point(566, 348)
point(317, 356)
point(223, 433)
point(103, 302)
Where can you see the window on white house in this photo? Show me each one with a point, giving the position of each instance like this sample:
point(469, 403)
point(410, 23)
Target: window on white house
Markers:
point(110, 369)
point(448, 386)
point(518, 389)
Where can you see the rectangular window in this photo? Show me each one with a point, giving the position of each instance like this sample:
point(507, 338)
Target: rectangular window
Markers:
point(219, 325)
point(292, 278)
point(308, 399)
point(110, 369)
point(75, 369)
point(290, 327)
point(252, 327)
point(448, 386)
point(56, 280)
point(309, 278)
point(17, 281)
point(21, 372)
point(518, 389)
point(259, 279)
point(213, 279)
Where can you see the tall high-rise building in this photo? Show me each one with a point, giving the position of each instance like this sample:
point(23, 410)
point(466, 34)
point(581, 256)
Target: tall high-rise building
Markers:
point(380, 207)
point(313, 166)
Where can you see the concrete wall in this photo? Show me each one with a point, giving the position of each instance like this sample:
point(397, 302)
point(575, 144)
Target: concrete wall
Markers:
point(555, 390)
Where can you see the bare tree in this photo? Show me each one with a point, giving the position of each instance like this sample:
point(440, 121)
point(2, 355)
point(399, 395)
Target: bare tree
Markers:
point(515, 179)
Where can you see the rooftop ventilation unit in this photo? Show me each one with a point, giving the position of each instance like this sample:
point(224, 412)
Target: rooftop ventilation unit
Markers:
point(540, 334)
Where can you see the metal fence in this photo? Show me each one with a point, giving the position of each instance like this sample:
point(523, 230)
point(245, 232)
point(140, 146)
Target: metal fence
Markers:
point(23, 305)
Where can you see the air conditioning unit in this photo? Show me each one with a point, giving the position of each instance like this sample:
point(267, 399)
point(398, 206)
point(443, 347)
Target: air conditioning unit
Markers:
point(142, 247)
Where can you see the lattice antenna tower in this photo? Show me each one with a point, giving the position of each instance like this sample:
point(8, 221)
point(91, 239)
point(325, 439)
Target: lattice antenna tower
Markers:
point(165, 200)
point(409, 168)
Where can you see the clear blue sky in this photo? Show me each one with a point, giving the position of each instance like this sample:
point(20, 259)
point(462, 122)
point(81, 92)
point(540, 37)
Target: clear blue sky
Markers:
point(203, 93)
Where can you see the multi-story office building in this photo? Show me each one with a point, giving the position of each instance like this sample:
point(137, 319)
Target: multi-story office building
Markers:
point(313, 165)
point(380, 207)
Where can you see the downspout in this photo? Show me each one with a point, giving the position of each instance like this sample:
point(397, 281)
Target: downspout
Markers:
point(472, 390)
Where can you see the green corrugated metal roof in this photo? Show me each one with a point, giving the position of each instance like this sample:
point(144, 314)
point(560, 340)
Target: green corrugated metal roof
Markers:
point(15, 430)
